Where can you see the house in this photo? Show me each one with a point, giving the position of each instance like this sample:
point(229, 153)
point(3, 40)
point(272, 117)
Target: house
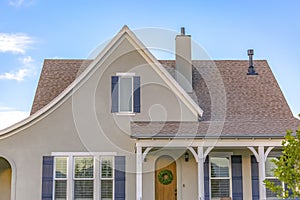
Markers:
point(128, 126)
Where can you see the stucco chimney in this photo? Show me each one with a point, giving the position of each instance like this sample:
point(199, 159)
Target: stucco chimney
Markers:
point(183, 63)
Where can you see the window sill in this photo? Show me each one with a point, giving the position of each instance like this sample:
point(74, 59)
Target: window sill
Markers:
point(125, 113)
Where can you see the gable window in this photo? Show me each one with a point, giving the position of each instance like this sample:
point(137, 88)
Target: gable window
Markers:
point(220, 177)
point(125, 93)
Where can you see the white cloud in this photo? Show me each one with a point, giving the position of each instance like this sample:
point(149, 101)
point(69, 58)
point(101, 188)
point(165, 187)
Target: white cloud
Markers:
point(5, 108)
point(16, 3)
point(15, 43)
point(18, 76)
point(19, 3)
point(28, 68)
point(8, 118)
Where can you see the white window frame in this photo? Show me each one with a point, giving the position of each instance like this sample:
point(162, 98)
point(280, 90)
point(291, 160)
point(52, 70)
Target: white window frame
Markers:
point(71, 166)
point(112, 178)
point(84, 179)
point(220, 155)
point(125, 75)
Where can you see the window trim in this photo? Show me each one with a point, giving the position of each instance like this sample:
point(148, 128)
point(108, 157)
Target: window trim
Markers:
point(97, 171)
point(220, 155)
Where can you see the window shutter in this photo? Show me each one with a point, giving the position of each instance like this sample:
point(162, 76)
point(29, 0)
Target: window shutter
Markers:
point(254, 178)
point(206, 178)
point(120, 181)
point(47, 177)
point(114, 94)
point(136, 94)
point(237, 177)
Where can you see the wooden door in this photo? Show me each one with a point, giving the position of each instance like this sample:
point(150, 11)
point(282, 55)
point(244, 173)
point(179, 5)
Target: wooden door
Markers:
point(165, 179)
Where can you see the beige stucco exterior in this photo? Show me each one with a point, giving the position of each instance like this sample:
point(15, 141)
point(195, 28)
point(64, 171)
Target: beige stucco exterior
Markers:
point(80, 120)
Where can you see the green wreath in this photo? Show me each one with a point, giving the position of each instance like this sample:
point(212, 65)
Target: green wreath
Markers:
point(165, 177)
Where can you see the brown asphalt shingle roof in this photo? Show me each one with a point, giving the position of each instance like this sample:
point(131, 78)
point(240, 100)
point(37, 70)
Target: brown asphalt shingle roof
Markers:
point(251, 105)
point(56, 76)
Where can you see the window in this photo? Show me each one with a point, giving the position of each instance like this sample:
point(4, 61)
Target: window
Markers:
point(125, 93)
point(60, 178)
point(106, 178)
point(270, 166)
point(220, 177)
point(84, 177)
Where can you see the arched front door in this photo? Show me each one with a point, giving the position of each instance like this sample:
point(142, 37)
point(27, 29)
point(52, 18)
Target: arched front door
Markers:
point(5, 179)
point(165, 179)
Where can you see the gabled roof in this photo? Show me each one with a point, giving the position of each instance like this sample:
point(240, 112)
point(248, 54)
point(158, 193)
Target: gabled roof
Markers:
point(44, 103)
point(255, 106)
point(68, 71)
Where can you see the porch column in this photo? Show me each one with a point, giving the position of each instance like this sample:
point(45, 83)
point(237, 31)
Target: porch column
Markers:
point(261, 172)
point(200, 173)
point(139, 171)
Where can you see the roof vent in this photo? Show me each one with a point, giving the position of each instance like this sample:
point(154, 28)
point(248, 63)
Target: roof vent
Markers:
point(251, 69)
point(182, 31)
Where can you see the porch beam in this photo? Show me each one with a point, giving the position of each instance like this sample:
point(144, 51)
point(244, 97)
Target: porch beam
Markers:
point(269, 149)
point(146, 152)
point(139, 170)
point(192, 150)
point(207, 152)
point(209, 143)
point(254, 153)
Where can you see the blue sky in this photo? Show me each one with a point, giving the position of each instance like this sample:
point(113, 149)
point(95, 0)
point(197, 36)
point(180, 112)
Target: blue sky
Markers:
point(32, 30)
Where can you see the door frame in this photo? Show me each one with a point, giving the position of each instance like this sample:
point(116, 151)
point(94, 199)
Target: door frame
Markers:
point(13, 176)
point(174, 155)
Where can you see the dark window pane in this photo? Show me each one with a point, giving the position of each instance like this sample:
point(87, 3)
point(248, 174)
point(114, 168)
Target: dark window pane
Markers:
point(269, 192)
point(83, 189)
point(220, 188)
point(60, 189)
point(106, 189)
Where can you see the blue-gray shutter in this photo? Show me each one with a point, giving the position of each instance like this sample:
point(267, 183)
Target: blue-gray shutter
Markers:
point(136, 94)
point(114, 94)
point(254, 178)
point(120, 181)
point(206, 178)
point(237, 177)
point(47, 177)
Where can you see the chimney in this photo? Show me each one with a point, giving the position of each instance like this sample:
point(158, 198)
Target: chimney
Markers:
point(183, 62)
point(251, 69)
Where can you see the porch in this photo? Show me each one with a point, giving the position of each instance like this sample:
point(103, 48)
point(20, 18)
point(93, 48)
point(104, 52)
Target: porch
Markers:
point(193, 180)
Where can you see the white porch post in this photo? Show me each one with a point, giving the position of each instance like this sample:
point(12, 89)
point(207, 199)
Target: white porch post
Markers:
point(200, 174)
point(261, 172)
point(139, 171)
